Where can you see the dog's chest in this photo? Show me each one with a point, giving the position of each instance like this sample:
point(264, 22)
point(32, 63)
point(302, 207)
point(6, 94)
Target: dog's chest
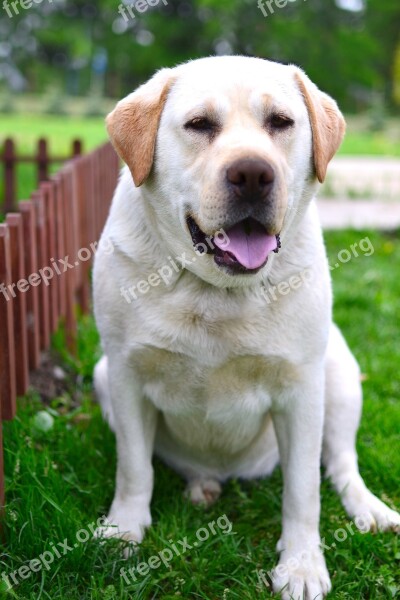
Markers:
point(216, 374)
point(213, 370)
point(177, 383)
point(220, 359)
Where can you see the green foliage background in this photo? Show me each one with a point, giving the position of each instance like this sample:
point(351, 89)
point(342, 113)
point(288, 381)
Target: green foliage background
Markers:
point(353, 55)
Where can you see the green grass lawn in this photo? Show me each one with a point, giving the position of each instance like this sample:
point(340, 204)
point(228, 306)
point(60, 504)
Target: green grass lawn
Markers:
point(361, 141)
point(60, 481)
point(59, 130)
point(365, 143)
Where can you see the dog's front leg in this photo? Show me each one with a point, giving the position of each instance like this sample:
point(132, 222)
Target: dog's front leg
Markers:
point(298, 421)
point(135, 423)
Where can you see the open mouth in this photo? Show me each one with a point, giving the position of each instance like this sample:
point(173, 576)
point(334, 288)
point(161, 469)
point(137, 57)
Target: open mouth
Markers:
point(242, 249)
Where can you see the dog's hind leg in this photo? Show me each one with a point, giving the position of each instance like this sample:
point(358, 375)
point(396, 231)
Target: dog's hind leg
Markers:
point(203, 491)
point(342, 416)
point(100, 378)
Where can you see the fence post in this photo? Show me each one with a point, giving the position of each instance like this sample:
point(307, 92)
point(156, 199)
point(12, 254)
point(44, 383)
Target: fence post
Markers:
point(48, 188)
point(2, 498)
point(71, 251)
point(43, 160)
point(76, 148)
point(14, 223)
point(9, 159)
point(60, 241)
point(7, 353)
point(42, 262)
point(27, 210)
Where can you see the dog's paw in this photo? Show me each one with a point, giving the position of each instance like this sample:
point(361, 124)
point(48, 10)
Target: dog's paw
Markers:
point(127, 523)
point(203, 491)
point(301, 576)
point(374, 515)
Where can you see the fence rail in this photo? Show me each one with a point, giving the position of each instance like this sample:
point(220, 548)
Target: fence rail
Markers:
point(42, 159)
point(46, 247)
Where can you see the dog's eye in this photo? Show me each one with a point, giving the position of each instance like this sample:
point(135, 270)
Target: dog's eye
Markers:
point(278, 121)
point(202, 124)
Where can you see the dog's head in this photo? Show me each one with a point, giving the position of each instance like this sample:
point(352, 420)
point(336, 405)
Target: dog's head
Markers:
point(228, 150)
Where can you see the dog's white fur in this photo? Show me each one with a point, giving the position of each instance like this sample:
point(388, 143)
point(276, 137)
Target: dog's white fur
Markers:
point(204, 371)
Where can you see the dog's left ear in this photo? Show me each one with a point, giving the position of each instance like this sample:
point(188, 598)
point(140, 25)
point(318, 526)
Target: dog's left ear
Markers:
point(327, 123)
point(133, 124)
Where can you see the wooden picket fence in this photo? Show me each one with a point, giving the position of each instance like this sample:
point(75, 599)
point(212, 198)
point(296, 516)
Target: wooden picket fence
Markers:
point(38, 291)
point(42, 159)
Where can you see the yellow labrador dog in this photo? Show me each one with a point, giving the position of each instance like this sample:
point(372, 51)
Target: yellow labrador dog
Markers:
point(202, 366)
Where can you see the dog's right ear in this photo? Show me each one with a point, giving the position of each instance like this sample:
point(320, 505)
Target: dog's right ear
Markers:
point(133, 124)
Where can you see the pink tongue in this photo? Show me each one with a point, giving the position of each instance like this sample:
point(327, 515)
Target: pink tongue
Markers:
point(249, 243)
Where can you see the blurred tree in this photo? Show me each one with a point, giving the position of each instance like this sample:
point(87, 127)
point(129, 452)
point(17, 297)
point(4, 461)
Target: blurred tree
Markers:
point(347, 46)
point(383, 23)
point(396, 76)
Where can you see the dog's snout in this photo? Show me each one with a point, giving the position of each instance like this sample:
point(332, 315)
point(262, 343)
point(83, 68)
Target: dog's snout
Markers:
point(251, 178)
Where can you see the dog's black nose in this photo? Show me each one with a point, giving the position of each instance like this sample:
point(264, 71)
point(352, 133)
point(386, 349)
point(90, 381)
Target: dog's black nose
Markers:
point(251, 178)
